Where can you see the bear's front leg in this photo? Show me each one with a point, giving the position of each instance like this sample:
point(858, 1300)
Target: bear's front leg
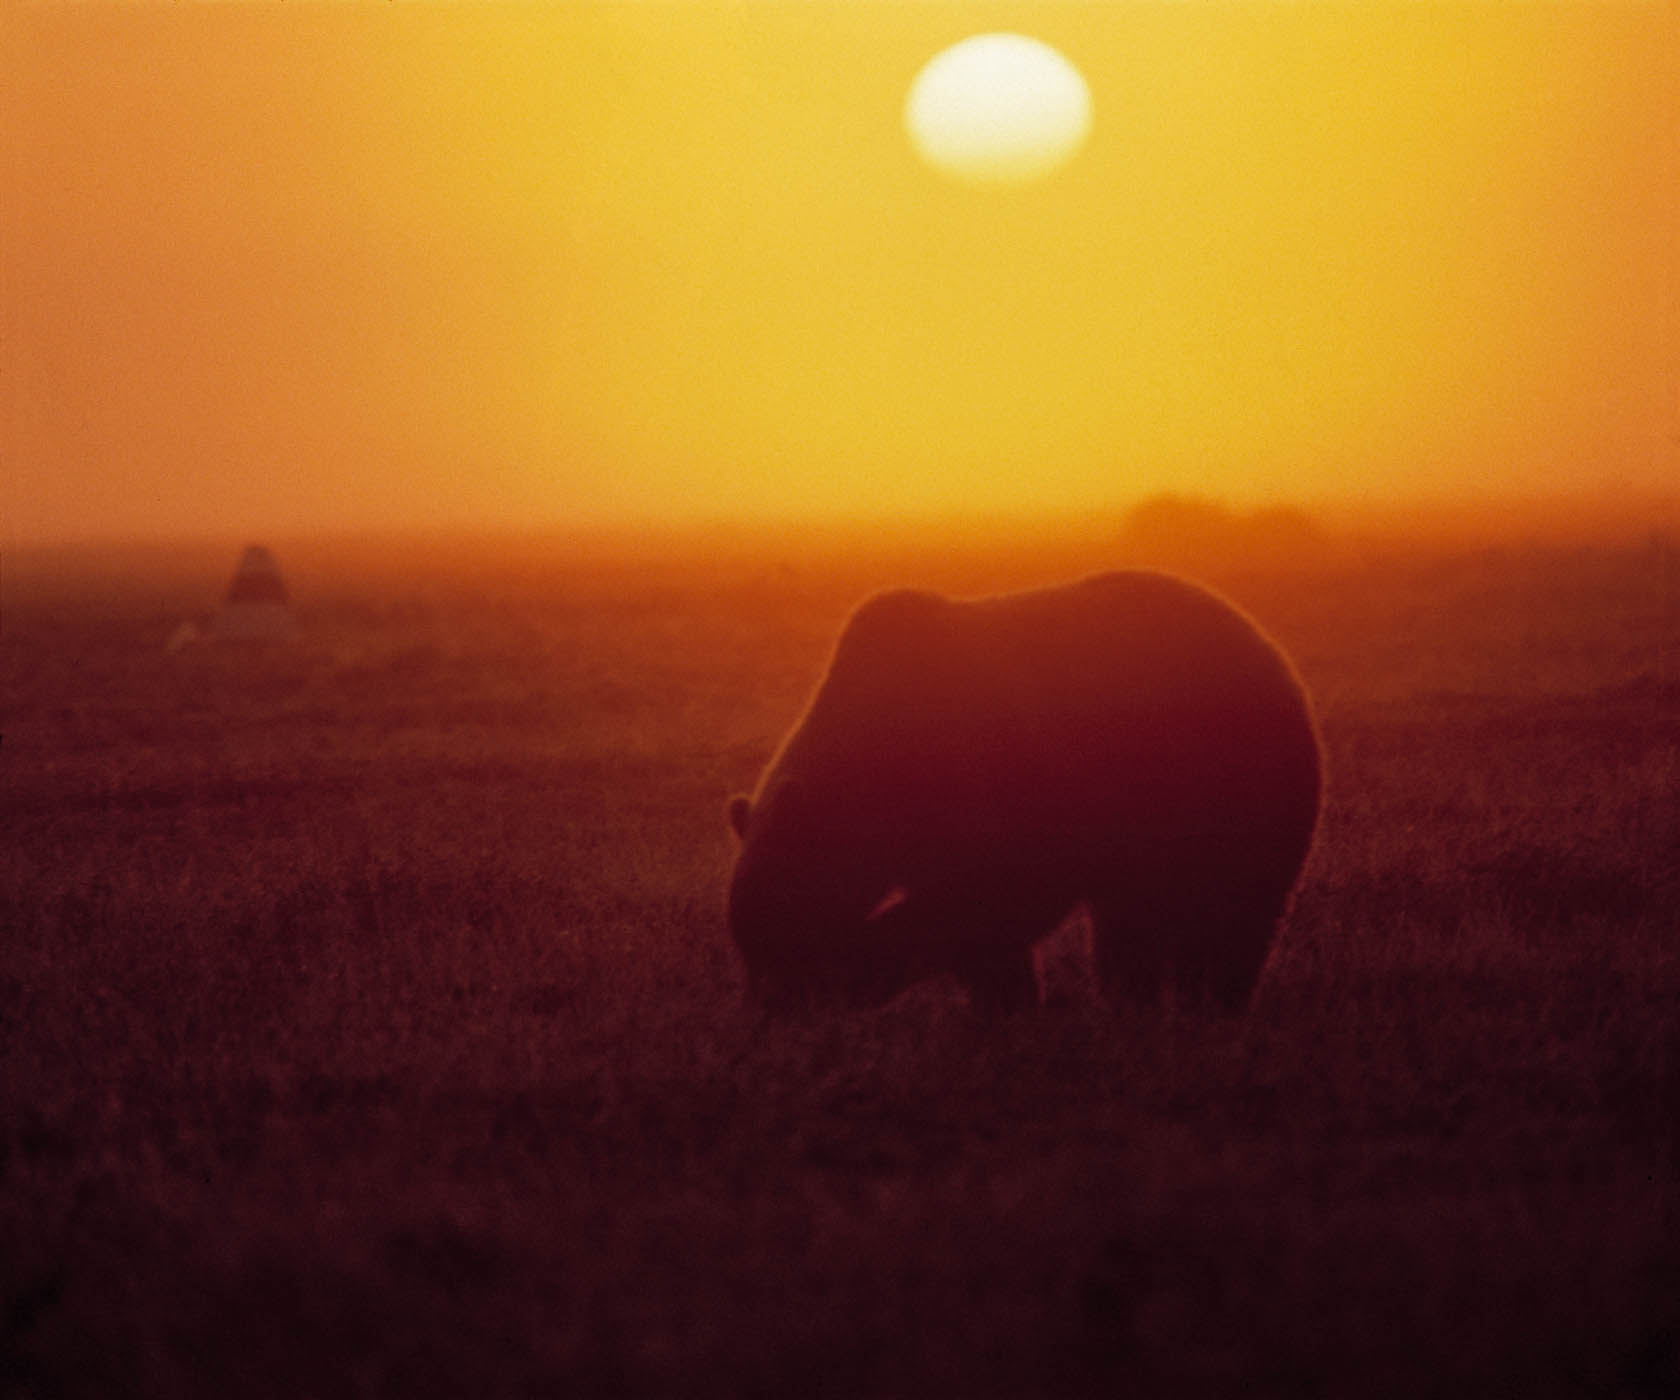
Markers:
point(983, 934)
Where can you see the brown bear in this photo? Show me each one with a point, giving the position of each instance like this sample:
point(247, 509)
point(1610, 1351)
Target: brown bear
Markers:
point(969, 771)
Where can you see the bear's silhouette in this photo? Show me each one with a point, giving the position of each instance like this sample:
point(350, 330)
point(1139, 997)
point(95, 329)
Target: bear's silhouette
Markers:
point(969, 771)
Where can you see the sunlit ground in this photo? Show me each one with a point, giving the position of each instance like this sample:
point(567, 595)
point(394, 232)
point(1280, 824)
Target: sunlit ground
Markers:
point(373, 1028)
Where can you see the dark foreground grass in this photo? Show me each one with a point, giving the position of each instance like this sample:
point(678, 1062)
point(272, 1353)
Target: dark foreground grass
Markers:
point(368, 1025)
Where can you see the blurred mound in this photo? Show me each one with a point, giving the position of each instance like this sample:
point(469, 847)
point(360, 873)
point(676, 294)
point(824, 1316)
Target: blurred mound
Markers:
point(1196, 533)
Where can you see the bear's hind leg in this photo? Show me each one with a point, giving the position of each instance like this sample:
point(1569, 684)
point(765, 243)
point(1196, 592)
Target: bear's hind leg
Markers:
point(1208, 943)
point(1129, 954)
point(1218, 962)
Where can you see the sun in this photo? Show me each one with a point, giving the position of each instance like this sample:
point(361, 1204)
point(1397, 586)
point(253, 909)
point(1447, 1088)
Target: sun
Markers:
point(998, 109)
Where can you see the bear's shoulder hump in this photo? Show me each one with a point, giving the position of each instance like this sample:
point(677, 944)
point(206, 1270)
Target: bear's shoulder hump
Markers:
point(895, 611)
point(1155, 590)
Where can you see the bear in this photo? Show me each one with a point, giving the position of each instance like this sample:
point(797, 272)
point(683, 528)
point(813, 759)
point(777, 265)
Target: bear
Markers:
point(968, 772)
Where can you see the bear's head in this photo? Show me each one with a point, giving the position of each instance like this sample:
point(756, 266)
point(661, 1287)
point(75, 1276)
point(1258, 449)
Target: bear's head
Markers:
point(804, 906)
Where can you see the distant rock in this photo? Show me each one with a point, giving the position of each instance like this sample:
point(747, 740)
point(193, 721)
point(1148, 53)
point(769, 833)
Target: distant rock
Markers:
point(257, 607)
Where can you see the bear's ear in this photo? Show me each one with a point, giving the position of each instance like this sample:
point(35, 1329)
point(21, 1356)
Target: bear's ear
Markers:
point(740, 813)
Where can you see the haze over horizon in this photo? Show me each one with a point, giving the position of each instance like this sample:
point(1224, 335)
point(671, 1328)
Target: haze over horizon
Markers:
point(276, 269)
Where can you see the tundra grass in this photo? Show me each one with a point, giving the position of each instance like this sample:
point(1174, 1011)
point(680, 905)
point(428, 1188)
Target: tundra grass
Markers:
point(368, 1024)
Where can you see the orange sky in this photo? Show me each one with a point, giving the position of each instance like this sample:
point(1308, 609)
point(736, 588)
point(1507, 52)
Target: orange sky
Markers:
point(271, 268)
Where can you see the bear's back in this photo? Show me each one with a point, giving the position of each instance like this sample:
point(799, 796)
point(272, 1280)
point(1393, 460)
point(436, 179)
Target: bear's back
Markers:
point(1131, 682)
point(1121, 646)
point(1133, 688)
point(1136, 620)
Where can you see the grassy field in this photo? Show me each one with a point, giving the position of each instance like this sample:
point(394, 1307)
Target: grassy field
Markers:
point(368, 1024)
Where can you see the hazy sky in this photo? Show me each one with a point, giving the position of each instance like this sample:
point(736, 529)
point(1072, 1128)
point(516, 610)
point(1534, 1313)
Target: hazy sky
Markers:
point(294, 266)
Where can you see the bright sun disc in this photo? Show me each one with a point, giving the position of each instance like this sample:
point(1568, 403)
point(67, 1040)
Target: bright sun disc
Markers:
point(998, 109)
